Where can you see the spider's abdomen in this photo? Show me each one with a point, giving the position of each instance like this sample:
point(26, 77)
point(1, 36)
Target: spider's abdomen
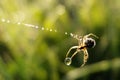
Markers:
point(90, 43)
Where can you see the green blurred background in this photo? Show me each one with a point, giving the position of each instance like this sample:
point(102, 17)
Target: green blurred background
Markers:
point(33, 54)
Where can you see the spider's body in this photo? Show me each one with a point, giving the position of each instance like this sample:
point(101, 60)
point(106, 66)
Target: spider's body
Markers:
point(90, 43)
point(83, 43)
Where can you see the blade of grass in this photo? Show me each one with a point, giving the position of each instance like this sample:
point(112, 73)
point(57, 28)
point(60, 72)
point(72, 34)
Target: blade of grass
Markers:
point(97, 67)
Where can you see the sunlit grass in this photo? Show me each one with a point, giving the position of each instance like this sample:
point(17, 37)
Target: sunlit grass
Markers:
point(37, 53)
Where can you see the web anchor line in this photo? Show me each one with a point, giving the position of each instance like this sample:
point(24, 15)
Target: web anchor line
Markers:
point(36, 27)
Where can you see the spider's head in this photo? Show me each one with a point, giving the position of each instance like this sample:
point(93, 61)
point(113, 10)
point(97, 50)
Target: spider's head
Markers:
point(90, 43)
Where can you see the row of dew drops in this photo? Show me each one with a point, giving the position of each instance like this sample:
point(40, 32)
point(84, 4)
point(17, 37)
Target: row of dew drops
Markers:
point(37, 27)
point(67, 59)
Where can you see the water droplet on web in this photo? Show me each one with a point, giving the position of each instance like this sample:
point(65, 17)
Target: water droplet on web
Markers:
point(50, 30)
point(8, 21)
point(66, 33)
point(42, 28)
point(68, 61)
point(3, 20)
point(18, 23)
point(36, 27)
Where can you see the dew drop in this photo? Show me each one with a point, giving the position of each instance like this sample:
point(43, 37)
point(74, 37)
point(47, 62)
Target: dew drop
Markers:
point(36, 27)
point(66, 33)
point(50, 30)
point(18, 23)
point(68, 61)
point(8, 21)
point(42, 28)
point(3, 20)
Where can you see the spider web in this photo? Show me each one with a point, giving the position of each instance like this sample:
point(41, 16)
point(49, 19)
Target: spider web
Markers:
point(7, 21)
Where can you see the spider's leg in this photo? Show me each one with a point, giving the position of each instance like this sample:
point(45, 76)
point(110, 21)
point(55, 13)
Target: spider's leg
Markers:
point(91, 34)
point(74, 47)
point(75, 53)
point(85, 56)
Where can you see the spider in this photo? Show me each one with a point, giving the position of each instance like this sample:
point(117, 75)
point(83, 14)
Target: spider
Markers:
point(84, 42)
